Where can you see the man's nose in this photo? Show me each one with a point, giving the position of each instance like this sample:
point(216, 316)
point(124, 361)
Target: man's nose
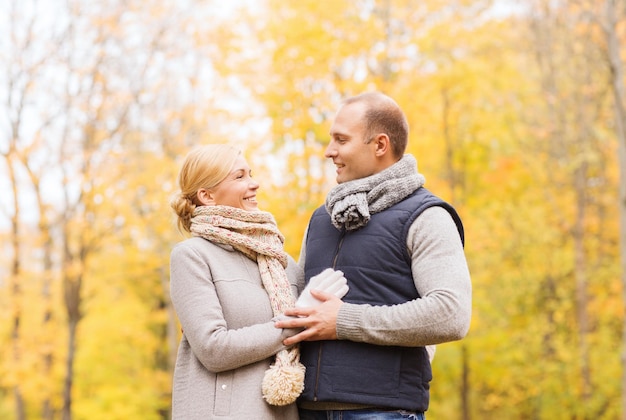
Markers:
point(330, 151)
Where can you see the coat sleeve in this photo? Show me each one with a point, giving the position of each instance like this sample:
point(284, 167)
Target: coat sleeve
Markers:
point(201, 316)
point(442, 279)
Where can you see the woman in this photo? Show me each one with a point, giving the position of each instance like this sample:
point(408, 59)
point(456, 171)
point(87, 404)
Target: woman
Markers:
point(227, 283)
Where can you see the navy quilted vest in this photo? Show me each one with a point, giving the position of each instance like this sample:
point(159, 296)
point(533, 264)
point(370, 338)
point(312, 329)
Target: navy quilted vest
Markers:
point(377, 266)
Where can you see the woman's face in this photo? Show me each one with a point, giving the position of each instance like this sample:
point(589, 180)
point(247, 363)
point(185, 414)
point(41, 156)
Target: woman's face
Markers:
point(238, 189)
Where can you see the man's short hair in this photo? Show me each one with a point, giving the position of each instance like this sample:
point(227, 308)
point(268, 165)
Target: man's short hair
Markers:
point(383, 115)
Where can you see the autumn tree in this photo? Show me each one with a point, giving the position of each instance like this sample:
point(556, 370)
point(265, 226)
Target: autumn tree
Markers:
point(514, 110)
point(609, 18)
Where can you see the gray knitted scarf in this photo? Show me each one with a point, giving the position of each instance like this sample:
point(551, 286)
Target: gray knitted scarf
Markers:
point(350, 204)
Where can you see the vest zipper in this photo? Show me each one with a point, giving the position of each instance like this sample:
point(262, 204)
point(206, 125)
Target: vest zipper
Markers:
point(317, 373)
point(343, 235)
point(319, 352)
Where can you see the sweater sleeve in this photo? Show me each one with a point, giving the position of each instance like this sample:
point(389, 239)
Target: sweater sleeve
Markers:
point(200, 313)
point(442, 279)
point(302, 256)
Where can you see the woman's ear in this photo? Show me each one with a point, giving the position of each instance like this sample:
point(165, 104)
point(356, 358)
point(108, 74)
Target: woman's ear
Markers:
point(205, 197)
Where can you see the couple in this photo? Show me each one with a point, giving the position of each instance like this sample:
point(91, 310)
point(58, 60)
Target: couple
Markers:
point(348, 331)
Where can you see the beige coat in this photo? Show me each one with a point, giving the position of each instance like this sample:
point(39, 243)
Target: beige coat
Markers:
point(228, 339)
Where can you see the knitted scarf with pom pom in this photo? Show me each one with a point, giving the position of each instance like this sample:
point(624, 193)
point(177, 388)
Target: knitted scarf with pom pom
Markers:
point(255, 234)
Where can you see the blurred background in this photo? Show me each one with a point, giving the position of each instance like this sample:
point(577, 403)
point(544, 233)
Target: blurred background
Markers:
point(517, 118)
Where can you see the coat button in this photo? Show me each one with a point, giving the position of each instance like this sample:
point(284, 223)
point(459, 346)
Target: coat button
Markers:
point(224, 386)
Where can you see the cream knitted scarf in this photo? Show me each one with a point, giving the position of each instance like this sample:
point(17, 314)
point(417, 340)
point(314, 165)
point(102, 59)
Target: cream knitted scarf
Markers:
point(351, 203)
point(255, 234)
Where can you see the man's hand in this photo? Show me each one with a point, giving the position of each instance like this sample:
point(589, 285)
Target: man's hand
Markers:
point(329, 281)
point(319, 322)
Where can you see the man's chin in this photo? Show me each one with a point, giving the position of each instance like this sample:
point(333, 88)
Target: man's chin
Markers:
point(341, 179)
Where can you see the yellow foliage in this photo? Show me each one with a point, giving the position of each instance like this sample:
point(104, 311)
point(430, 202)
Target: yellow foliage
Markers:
point(510, 121)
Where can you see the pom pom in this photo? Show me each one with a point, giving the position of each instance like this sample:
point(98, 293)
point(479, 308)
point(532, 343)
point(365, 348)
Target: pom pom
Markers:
point(283, 384)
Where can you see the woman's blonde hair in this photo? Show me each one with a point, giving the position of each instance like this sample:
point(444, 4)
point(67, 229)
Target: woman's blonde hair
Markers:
point(204, 167)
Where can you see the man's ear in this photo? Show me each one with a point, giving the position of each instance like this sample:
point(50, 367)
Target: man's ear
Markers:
point(383, 144)
point(205, 197)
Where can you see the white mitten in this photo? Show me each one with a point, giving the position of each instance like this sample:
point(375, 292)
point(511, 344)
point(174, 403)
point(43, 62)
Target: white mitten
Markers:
point(431, 352)
point(329, 281)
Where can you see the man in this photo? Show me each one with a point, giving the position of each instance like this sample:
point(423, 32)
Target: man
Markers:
point(401, 251)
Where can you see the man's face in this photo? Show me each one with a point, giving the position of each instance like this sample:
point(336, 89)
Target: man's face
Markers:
point(353, 158)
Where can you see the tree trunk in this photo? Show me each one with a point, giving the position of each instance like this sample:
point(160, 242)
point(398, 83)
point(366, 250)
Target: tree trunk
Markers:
point(47, 412)
point(72, 293)
point(454, 181)
point(69, 371)
point(465, 405)
point(171, 333)
point(581, 283)
point(16, 292)
point(617, 75)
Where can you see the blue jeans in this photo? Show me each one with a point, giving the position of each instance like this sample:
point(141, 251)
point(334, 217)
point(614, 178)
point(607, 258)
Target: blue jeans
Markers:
point(359, 415)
